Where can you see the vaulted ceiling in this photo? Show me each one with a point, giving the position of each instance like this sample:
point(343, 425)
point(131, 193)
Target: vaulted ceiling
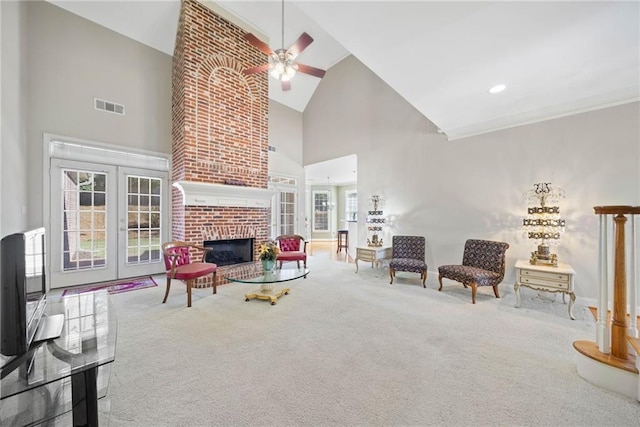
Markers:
point(556, 58)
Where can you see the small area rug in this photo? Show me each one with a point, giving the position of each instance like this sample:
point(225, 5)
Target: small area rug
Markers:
point(115, 287)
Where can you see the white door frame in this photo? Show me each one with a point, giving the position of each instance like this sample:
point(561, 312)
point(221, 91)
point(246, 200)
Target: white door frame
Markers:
point(281, 184)
point(81, 150)
point(132, 270)
point(58, 277)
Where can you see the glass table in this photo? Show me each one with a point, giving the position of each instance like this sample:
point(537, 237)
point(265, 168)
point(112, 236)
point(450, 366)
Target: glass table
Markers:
point(252, 272)
point(68, 373)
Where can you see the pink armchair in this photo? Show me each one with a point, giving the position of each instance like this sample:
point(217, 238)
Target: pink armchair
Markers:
point(292, 248)
point(177, 260)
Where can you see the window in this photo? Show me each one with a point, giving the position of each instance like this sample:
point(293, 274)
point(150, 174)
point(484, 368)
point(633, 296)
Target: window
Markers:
point(351, 205)
point(320, 211)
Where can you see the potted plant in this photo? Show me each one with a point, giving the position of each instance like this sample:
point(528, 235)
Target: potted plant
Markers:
point(268, 253)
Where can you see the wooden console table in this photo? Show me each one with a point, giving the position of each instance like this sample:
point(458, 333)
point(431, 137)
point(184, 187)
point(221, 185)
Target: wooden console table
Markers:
point(372, 254)
point(545, 278)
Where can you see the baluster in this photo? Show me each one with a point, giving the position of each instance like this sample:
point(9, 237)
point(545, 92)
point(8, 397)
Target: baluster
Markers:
point(619, 327)
point(602, 326)
point(633, 300)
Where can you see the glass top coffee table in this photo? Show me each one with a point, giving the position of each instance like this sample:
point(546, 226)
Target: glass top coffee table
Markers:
point(252, 272)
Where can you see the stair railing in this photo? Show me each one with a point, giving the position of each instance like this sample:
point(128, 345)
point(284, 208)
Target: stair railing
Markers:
point(613, 339)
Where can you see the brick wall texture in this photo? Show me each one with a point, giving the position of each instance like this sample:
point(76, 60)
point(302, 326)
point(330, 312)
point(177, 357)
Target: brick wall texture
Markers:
point(219, 124)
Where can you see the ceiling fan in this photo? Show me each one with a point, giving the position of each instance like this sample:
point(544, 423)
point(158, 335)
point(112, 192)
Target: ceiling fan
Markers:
point(281, 63)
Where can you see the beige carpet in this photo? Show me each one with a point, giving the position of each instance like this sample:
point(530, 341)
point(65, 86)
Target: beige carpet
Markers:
point(350, 349)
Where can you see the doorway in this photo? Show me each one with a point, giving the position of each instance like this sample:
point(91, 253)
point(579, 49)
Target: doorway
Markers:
point(284, 211)
point(106, 220)
point(332, 196)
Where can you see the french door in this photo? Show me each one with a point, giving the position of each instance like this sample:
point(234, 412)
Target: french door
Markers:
point(283, 212)
point(107, 222)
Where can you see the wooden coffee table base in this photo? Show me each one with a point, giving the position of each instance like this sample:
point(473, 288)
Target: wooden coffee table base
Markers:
point(267, 295)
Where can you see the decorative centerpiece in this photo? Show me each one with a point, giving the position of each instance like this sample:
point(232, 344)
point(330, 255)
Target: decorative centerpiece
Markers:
point(543, 221)
point(268, 253)
point(375, 222)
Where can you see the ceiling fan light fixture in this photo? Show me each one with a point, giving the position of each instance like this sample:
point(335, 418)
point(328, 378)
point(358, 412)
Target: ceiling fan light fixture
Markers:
point(289, 71)
point(277, 70)
point(281, 65)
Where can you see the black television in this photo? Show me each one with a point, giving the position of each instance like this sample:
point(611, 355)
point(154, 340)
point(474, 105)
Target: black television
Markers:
point(23, 298)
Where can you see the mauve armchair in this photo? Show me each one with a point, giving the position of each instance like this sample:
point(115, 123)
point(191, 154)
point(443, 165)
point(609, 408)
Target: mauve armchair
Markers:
point(292, 248)
point(177, 260)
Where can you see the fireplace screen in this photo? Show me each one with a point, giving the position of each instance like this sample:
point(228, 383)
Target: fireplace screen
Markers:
point(228, 252)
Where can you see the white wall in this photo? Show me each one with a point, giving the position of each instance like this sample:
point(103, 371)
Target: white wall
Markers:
point(13, 103)
point(285, 134)
point(472, 188)
point(72, 60)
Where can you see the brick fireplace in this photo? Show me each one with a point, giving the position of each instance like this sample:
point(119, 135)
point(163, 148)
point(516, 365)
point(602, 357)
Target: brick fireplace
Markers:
point(220, 133)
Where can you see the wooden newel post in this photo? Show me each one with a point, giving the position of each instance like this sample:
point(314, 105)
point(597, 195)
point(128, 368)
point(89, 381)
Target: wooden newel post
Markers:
point(619, 324)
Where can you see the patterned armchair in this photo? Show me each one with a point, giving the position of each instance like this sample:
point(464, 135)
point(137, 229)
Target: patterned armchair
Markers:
point(482, 265)
point(292, 248)
point(407, 254)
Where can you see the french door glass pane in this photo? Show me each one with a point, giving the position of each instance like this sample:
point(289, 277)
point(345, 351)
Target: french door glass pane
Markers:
point(287, 212)
point(321, 211)
point(84, 220)
point(143, 219)
point(352, 206)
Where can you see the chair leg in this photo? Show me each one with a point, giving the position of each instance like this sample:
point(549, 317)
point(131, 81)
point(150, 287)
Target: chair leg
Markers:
point(495, 291)
point(166, 293)
point(189, 282)
point(215, 285)
point(440, 280)
point(474, 288)
point(423, 276)
point(391, 274)
point(298, 264)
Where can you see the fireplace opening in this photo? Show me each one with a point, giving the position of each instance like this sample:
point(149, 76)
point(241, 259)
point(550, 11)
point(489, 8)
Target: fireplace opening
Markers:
point(230, 251)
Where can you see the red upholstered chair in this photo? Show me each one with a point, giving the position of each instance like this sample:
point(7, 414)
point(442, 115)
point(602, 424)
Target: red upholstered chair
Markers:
point(177, 260)
point(292, 248)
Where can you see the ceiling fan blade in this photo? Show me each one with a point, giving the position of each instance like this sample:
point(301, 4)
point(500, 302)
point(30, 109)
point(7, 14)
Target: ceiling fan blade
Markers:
point(308, 69)
point(255, 70)
point(258, 43)
point(301, 44)
point(286, 85)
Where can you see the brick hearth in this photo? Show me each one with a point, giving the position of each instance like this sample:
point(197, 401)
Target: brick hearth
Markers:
point(219, 126)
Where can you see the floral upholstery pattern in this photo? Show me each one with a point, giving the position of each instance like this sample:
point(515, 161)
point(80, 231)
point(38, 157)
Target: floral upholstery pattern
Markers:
point(483, 264)
point(408, 255)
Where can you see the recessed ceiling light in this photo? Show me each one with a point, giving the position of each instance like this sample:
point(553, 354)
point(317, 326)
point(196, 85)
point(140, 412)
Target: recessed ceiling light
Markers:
point(497, 89)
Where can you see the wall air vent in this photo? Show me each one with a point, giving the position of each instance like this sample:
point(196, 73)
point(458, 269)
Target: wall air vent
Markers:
point(108, 106)
point(272, 148)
